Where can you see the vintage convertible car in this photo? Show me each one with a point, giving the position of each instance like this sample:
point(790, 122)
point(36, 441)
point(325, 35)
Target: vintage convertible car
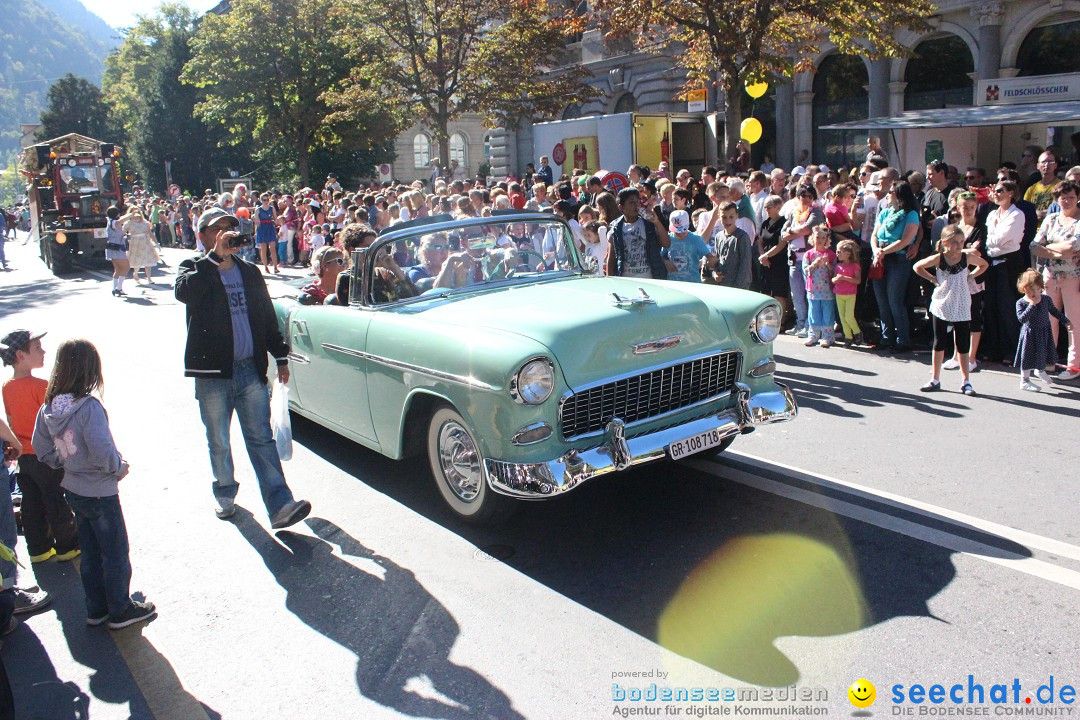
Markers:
point(519, 371)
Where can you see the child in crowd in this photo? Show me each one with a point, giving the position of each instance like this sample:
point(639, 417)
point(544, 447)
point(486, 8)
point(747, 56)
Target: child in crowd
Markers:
point(1036, 347)
point(318, 239)
point(845, 287)
point(819, 263)
point(687, 250)
point(596, 243)
point(72, 432)
point(950, 305)
point(48, 524)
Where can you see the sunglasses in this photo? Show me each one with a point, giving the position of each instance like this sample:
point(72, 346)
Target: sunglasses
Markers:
point(999, 190)
point(966, 196)
point(436, 246)
point(332, 261)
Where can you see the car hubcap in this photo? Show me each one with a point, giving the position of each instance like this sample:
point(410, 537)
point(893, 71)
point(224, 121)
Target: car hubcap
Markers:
point(460, 461)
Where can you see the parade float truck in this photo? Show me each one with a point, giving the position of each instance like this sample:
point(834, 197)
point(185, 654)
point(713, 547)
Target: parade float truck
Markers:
point(73, 180)
point(606, 145)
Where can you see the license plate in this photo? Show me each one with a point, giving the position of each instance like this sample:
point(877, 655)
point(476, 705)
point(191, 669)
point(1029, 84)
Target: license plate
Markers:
point(101, 232)
point(695, 444)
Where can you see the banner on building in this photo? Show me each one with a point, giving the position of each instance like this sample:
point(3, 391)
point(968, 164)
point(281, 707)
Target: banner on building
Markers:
point(1019, 90)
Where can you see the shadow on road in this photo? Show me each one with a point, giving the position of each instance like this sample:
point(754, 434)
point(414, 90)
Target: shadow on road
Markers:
point(713, 570)
point(401, 635)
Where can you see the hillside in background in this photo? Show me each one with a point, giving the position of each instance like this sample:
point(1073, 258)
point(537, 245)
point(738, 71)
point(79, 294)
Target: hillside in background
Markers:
point(40, 41)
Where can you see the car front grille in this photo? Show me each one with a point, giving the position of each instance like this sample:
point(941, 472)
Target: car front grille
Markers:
point(650, 394)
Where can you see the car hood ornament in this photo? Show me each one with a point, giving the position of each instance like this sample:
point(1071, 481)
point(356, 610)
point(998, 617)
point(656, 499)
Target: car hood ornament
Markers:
point(656, 345)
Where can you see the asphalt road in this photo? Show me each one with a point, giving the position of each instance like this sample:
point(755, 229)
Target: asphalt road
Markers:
point(886, 534)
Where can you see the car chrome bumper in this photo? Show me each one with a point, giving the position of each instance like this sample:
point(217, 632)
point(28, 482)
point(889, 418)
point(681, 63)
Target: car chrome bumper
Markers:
point(532, 481)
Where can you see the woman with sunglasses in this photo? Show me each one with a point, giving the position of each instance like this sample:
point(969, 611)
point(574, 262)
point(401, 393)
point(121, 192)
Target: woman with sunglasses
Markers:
point(328, 262)
point(1058, 246)
point(1004, 236)
point(896, 228)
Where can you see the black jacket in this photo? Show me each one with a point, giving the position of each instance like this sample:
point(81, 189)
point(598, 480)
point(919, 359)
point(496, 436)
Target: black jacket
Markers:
point(209, 349)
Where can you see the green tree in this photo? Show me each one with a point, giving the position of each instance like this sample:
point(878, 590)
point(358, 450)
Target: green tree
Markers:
point(444, 59)
point(724, 43)
point(76, 105)
point(267, 67)
point(142, 85)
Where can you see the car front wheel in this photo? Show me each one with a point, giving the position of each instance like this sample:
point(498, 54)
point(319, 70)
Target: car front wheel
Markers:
point(458, 467)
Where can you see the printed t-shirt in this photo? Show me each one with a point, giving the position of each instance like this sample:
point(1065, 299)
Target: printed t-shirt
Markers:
point(243, 347)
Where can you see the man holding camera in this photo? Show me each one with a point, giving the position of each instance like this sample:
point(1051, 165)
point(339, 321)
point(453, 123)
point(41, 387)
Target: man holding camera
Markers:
point(231, 329)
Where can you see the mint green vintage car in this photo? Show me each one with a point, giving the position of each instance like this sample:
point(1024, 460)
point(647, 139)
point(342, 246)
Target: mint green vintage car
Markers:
point(519, 371)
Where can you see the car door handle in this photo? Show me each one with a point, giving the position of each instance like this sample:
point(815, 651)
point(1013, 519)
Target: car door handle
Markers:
point(301, 328)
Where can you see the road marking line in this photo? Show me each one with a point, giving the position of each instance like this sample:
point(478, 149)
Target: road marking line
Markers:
point(155, 677)
point(1021, 537)
point(965, 546)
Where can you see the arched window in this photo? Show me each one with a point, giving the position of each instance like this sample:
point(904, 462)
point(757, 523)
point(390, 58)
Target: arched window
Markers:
point(1050, 50)
point(459, 149)
point(421, 149)
point(937, 76)
point(840, 95)
point(626, 103)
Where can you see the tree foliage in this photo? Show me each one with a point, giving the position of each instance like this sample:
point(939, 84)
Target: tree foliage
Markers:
point(266, 68)
point(445, 59)
point(142, 84)
point(76, 105)
point(725, 42)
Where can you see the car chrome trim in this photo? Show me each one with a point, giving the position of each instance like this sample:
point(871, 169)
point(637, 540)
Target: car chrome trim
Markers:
point(513, 389)
point(645, 371)
point(535, 427)
point(399, 365)
point(753, 323)
point(653, 346)
point(762, 368)
point(639, 301)
point(535, 481)
point(298, 358)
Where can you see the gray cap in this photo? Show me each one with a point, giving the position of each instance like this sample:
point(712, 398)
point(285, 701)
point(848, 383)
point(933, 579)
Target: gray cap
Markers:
point(212, 215)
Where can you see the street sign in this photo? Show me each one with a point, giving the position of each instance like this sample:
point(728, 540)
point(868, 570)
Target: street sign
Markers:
point(558, 154)
point(696, 99)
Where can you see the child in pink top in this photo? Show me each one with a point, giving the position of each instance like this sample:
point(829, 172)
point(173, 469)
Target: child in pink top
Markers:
point(838, 213)
point(819, 263)
point(845, 286)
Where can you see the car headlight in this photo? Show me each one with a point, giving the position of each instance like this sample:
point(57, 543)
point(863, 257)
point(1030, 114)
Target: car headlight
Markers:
point(766, 324)
point(534, 382)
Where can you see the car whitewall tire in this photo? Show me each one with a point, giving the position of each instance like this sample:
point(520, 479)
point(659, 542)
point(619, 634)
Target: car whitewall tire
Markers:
point(458, 468)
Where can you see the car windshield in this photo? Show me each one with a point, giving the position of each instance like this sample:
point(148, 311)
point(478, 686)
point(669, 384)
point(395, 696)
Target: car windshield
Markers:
point(80, 179)
point(434, 261)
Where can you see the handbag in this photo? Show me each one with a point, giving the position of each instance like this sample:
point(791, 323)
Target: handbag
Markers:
point(877, 271)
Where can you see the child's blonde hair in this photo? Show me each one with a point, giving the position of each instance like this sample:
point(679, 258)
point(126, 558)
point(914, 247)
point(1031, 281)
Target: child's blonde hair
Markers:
point(1028, 279)
point(849, 246)
point(947, 232)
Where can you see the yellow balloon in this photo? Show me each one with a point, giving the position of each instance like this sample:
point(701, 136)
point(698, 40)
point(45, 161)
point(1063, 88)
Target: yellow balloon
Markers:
point(757, 89)
point(750, 130)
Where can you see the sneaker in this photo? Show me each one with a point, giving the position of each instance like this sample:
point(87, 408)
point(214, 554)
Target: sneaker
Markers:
point(1045, 377)
point(31, 599)
point(931, 386)
point(226, 508)
point(95, 620)
point(1029, 386)
point(802, 333)
point(1069, 374)
point(967, 389)
point(827, 343)
point(43, 557)
point(136, 612)
point(811, 341)
point(973, 365)
point(291, 514)
point(858, 339)
point(951, 364)
point(69, 555)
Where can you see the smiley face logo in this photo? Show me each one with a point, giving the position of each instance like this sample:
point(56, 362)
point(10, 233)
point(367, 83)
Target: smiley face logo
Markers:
point(862, 693)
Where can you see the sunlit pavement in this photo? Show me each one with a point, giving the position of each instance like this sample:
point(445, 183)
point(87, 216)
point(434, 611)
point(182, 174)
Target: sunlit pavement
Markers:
point(887, 534)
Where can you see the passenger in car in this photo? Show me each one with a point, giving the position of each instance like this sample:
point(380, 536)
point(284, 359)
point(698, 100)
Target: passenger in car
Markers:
point(328, 262)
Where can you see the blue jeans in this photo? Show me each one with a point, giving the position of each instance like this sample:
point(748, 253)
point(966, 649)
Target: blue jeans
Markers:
point(247, 395)
point(9, 533)
point(3, 260)
point(891, 293)
point(103, 539)
point(797, 281)
point(821, 317)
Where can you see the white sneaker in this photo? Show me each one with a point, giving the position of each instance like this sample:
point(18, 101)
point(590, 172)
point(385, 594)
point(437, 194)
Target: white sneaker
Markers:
point(973, 365)
point(812, 341)
point(1045, 377)
point(1069, 374)
point(802, 333)
point(951, 364)
point(1029, 386)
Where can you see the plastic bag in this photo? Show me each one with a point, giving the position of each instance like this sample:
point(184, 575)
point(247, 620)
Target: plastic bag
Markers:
point(279, 420)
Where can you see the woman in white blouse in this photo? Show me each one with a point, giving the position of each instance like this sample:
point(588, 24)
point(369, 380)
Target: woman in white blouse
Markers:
point(1004, 232)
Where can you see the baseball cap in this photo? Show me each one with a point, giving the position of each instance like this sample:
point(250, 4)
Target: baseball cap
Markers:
point(679, 221)
point(14, 341)
point(212, 215)
point(798, 170)
point(823, 168)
